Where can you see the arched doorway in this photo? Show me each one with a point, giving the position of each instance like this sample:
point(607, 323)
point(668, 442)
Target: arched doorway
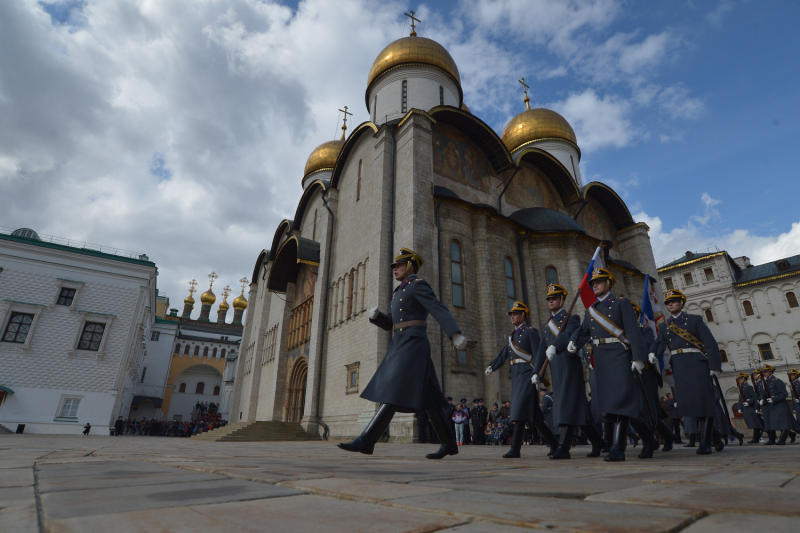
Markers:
point(297, 391)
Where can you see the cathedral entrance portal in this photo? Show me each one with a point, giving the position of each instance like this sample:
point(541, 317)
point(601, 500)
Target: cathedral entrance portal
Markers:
point(297, 391)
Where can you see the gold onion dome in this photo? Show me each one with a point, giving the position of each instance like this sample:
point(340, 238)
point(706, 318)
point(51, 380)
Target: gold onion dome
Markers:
point(413, 50)
point(240, 302)
point(323, 157)
point(224, 305)
point(208, 297)
point(535, 125)
point(189, 300)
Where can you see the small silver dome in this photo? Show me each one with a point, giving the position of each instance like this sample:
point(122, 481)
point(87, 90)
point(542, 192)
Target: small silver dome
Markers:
point(26, 233)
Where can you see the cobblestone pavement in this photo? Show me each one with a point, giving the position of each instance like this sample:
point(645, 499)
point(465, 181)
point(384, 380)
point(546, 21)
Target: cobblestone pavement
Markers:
point(96, 484)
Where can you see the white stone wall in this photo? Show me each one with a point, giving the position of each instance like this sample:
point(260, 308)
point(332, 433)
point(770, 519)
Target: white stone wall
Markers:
point(566, 154)
point(423, 84)
point(156, 359)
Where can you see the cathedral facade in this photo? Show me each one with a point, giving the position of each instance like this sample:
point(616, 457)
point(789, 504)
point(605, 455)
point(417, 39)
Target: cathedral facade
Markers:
point(496, 218)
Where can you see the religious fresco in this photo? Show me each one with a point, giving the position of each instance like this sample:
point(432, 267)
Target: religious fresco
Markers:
point(597, 222)
point(456, 157)
point(531, 188)
point(306, 280)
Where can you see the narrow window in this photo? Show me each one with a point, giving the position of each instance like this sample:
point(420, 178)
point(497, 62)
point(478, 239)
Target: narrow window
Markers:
point(791, 299)
point(200, 388)
point(709, 316)
point(222, 354)
point(668, 284)
point(551, 275)
point(688, 279)
point(154, 335)
point(457, 274)
point(314, 229)
point(216, 390)
point(511, 290)
point(709, 273)
point(358, 182)
point(144, 373)
point(205, 351)
point(441, 95)
point(177, 348)
point(17, 328)
point(186, 350)
point(461, 357)
point(214, 353)
point(66, 296)
point(91, 336)
point(766, 352)
point(69, 408)
point(352, 378)
point(374, 107)
point(748, 308)
point(196, 351)
point(724, 355)
point(182, 387)
point(798, 346)
point(404, 102)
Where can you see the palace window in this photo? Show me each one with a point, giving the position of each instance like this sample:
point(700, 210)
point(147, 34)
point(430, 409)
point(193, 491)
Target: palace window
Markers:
point(92, 336)
point(461, 358)
point(709, 273)
point(668, 284)
point(66, 296)
point(688, 279)
point(154, 335)
point(404, 101)
point(724, 355)
point(205, 351)
point(200, 388)
point(709, 315)
point(352, 377)
point(222, 354)
point(791, 299)
point(182, 387)
point(216, 390)
point(551, 275)
point(186, 350)
point(69, 408)
point(441, 95)
point(17, 328)
point(196, 351)
point(748, 308)
point(457, 274)
point(511, 290)
point(766, 352)
point(177, 348)
point(214, 352)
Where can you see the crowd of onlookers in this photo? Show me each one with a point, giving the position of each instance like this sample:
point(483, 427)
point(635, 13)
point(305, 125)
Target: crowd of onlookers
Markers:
point(204, 417)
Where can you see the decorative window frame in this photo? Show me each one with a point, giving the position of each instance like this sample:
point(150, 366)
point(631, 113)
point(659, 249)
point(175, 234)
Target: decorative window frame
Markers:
point(352, 367)
point(68, 284)
point(21, 307)
point(90, 316)
point(64, 397)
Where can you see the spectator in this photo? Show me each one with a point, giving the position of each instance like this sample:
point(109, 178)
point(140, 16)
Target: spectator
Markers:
point(460, 418)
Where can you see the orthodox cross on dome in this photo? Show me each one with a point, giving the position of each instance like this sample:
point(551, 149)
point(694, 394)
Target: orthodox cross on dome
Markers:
point(211, 277)
point(243, 281)
point(525, 88)
point(413, 19)
point(344, 121)
point(192, 285)
point(225, 292)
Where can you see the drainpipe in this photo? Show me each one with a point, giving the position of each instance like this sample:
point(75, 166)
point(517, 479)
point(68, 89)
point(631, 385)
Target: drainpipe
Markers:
point(521, 258)
point(393, 179)
point(505, 187)
point(437, 204)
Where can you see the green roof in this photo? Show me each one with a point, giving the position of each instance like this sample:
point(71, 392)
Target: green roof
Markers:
point(84, 251)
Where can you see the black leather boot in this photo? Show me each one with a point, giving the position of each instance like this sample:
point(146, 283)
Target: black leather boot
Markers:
point(608, 433)
point(756, 437)
point(784, 436)
point(547, 436)
point(649, 442)
point(692, 439)
point(666, 434)
point(564, 442)
point(739, 436)
point(516, 442)
point(445, 431)
point(594, 438)
point(771, 441)
point(365, 443)
point(706, 426)
point(617, 450)
point(793, 436)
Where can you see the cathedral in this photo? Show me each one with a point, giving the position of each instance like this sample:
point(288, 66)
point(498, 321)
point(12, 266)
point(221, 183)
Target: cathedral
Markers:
point(495, 217)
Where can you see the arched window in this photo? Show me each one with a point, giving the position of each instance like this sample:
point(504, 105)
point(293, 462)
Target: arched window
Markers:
point(177, 348)
point(186, 350)
point(216, 390)
point(404, 97)
point(457, 274)
point(223, 353)
point(214, 352)
point(511, 290)
point(358, 182)
point(441, 95)
point(748, 308)
point(724, 355)
point(205, 351)
point(200, 388)
point(197, 350)
point(182, 387)
point(791, 299)
point(550, 275)
point(709, 315)
point(349, 281)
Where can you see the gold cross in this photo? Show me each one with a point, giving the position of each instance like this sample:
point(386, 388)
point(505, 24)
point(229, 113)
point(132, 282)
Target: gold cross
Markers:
point(192, 285)
point(243, 281)
point(344, 121)
point(211, 278)
point(225, 292)
point(413, 18)
point(525, 88)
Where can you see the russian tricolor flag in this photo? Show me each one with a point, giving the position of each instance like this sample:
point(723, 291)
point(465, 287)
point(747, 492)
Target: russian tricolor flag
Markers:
point(585, 288)
point(652, 314)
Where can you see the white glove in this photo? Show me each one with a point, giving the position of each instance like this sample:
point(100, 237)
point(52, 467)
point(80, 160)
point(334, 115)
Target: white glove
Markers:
point(488, 370)
point(571, 348)
point(637, 366)
point(713, 373)
point(675, 405)
point(535, 379)
point(769, 400)
point(745, 404)
point(760, 402)
point(652, 358)
point(373, 313)
point(550, 352)
point(459, 341)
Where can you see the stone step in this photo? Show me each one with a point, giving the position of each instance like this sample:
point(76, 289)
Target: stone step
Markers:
point(258, 431)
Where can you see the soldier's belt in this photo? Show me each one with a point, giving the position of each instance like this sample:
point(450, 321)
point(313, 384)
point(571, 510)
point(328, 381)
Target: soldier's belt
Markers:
point(408, 324)
point(517, 361)
point(607, 340)
point(685, 350)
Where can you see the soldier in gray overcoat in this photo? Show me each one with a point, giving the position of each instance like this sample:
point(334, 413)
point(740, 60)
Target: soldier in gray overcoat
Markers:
point(570, 407)
point(794, 386)
point(406, 380)
point(518, 352)
point(778, 414)
point(694, 359)
point(618, 351)
point(748, 405)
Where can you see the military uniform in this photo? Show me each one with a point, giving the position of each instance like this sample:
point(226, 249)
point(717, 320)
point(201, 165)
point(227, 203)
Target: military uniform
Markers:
point(794, 386)
point(748, 406)
point(777, 413)
point(693, 354)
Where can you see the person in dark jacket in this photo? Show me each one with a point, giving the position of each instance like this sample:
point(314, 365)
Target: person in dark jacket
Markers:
point(778, 413)
point(570, 408)
point(694, 358)
point(610, 324)
point(518, 353)
point(406, 379)
point(748, 406)
point(794, 386)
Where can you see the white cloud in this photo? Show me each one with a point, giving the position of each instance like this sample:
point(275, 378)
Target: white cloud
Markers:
point(599, 121)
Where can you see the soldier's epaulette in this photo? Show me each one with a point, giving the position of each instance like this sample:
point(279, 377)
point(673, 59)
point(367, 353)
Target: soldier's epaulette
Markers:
point(418, 279)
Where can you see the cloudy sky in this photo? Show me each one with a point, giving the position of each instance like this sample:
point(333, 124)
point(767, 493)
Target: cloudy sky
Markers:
point(180, 128)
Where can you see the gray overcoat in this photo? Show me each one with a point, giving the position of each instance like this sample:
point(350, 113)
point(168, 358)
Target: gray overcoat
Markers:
point(524, 399)
point(778, 414)
point(748, 404)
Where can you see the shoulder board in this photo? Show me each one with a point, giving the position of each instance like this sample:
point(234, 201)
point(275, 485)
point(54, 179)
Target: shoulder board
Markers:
point(418, 279)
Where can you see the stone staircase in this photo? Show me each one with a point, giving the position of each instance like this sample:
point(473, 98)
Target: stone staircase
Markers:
point(4, 429)
point(258, 431)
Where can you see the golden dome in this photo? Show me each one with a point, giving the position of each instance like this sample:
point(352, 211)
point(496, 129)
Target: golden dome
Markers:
point(240, 302)
point(534, 125)
point(208, 297)
point(409, 50)
point(189, 300)
point(224, 306)
point(323, 157)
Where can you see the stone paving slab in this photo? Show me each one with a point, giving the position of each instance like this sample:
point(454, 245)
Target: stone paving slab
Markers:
point(363, 489)
point(16, 477)
point(743, 523)
point(531, 483)
point(19, 518)
point(113, 474)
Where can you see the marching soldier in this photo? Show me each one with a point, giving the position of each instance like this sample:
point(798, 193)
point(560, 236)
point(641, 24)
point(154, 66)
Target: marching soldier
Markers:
point(406, 380)
point(651, 381)
point(570, 408)
point(748, 403)
point(794, 382)
point(522, 344)
point(618, 352)
point(695, 358)
point(777, 414)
